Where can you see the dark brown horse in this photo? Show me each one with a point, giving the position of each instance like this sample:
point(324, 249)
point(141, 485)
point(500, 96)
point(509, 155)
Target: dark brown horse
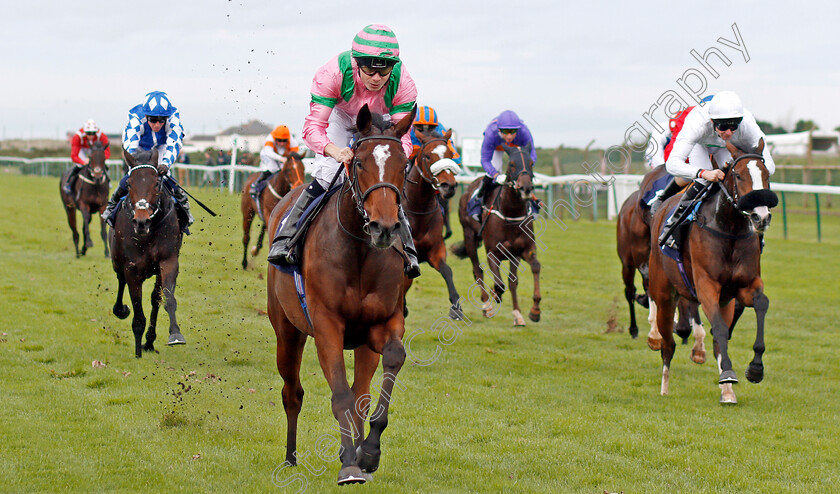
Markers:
point(279, 184)
point(145, 242)
point(507, 233)
point(633, 246)
point(90, 196)
point(722, 264)
point(424, 184)
point(352, 274)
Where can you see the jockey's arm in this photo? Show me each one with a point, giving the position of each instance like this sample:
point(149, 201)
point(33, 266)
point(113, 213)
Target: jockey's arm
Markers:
point(269, 152)
point(655, 152)
point(488, 146)
point(107, 144)
point(75, 148)
point(174, 139)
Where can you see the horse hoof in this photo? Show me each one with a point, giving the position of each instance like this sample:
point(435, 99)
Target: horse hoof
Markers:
point(456, 314)
point(655, 344)
point(368, 462)
point(254, 251)
point(176, 339)
point(148, 347)
point(534, 316)
point(245, 264)
point(698, 357)
point(518, 320)
point(728, 377)
point(350, 475)
point(728, 399)
point(122, 311)
point(754, 373)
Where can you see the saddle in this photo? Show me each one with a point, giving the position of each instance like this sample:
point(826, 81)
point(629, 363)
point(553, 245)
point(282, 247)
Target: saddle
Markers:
point(657, 185)
point(309, 215)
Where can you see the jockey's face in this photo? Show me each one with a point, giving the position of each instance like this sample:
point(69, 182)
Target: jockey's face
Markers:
point(90, 136)
point(508, 135)
point(156, 123)
point(373, 82)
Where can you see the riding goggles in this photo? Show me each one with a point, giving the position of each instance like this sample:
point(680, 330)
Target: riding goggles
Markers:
point(507, 131)
point(727, 124)
point(370, 71)
point(156, 119)
point(91, 133)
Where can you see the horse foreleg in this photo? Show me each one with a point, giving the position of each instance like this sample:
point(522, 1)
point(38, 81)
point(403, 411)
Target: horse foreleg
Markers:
point(513, 284)
point(498, 285)
point(151, 333)
point(329, 343)
point(437, 260)
point(628, 275)
point(103, 228)
point(290, 344)
point(364, 367)
point(71, 220)
point(708, 293)
point(665, 323)
point(755, 297)
point(654, 339)
point(260, 239)
point(393, 357)
point(698, 351)
point(86, 217)
point(169, 275)
point(531, 259)
point(247, 219)
point(120, 310)
point(138, 323)
point(471, 247)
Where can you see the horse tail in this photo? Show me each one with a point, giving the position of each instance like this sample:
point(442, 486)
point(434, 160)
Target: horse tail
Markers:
point(459, 249)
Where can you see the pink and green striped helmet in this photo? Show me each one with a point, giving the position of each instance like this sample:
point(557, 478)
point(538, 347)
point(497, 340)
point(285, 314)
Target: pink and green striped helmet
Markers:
point(376, 41)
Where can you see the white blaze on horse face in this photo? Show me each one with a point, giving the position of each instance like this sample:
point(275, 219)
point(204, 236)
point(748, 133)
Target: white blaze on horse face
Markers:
point(440, 151)
point(381, 153)
point(755, 174)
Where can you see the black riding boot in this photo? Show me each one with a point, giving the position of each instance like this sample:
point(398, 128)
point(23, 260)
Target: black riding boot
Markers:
point(257, 182)
point(672, 188)
point(183, 201)
point(282, 250)
point(674, 239)
point(70, 184)
point(115, 199)
point(486, 182)
point(412, 270)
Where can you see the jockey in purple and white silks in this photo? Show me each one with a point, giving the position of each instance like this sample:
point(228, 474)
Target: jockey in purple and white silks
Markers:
point(154, 124)
point(370, 73)
point(704, 134)
point(509, 129)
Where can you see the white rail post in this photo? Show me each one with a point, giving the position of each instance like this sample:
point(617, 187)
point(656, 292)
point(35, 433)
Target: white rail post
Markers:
point(232, 177)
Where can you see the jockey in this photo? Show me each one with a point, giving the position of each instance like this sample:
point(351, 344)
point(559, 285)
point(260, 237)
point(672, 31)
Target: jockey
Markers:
point(507, 128)
point(155, 124)
point(279, 144)
point(370, 73)
point(426, 121)
point(705, 133)
point(80, 147)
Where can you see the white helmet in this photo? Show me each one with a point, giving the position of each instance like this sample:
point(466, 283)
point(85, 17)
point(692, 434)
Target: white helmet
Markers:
point(726, 104)
point(90, 126)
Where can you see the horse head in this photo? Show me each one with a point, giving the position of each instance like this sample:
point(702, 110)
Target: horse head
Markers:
point(144, 189)
point(434, 161)
point(520, 173)
point(293, 171)
point(96, 166)
point(379, 166)
point(748, 183)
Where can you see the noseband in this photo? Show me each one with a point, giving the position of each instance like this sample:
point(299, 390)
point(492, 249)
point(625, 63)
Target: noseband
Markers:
point(733, 197)
point(360, 197)
point(143, 204)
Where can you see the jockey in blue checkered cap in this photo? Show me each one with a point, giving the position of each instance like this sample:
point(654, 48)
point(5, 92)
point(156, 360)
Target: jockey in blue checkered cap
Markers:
point(154, 124)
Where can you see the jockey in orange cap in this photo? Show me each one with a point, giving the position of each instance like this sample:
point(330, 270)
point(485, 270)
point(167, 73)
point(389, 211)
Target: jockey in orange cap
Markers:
point(279, 144)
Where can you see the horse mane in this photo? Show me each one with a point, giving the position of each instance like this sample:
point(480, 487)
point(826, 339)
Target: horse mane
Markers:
point(296, 156)
point(377, 121)
point(143, 157)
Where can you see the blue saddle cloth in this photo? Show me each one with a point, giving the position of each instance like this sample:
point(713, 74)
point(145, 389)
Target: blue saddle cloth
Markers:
point(655, 187)
point(309, 211)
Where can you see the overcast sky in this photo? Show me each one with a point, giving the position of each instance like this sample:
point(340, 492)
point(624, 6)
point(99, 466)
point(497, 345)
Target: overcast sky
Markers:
point(573, 71)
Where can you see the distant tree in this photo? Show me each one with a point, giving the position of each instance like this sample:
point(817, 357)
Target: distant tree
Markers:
point(805, 125)
point(769, 128)
point(837, 129)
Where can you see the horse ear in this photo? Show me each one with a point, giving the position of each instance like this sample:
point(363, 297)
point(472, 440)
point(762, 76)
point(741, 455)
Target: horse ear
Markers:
point(760, 148)
point(363, 120)
point(508, 149)
point(714, 163)
point(420, 136)
point(129, 159)
point(735, 152)
point(526, 148)
point(404, 125)
point(448, 134)
point(155, 157)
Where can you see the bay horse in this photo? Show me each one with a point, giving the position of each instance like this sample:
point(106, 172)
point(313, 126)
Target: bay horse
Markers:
point(423, 184)
point(90, 196)
point(722, 264)
point(279, 184)
point(352, 277)
point(145, 242)
point(507, 233)
point(633, 246)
